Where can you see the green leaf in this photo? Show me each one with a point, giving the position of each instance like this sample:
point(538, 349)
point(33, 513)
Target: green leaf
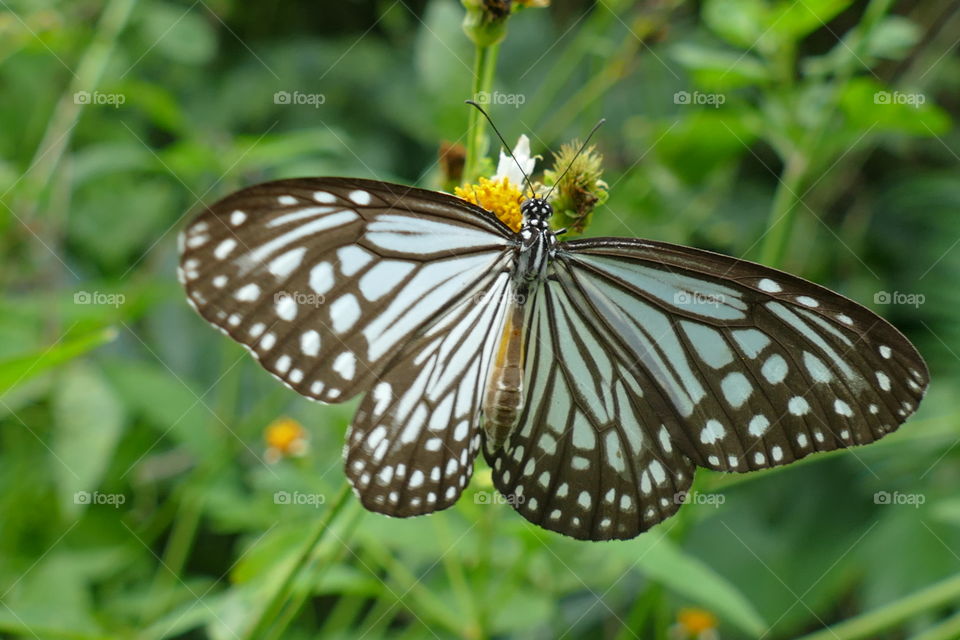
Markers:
point(169, 404)
point(720, 68)
point(871, 105)
point(796, 20)
point(892, 38)
point(739, 22)
point(13, 371)
point(178, 33)
point(88, 422)
point(521, 609)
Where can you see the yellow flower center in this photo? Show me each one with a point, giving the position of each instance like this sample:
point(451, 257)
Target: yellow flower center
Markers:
point(499, 197)
point(286, 436)
point(696, 621)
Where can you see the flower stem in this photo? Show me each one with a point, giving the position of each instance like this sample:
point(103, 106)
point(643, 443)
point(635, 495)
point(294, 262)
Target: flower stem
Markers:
point(872, 624)
point(485, 63)
point(783, 211)
point(283, 593)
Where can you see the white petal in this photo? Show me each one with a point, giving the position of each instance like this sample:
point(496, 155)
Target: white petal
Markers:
point(507, 168)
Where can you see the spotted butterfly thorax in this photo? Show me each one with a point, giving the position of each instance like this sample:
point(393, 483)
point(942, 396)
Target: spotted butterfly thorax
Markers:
point(594, 374)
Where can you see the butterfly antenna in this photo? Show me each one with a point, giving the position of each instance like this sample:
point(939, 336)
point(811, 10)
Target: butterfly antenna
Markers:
point(505, 145)
point(579, 151)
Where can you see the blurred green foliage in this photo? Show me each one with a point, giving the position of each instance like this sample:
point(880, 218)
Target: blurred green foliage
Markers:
point(134, 500)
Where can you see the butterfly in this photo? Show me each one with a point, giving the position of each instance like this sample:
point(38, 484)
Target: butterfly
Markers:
point(595, 375)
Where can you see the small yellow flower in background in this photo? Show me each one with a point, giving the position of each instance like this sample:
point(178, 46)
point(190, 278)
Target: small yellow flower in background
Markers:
point(499, 197)
point(285, 438)
point(695, 624)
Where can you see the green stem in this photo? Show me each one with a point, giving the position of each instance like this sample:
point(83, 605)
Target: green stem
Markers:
point(949, 629)
point(797, 163)
point(295, 602)
point(485, 63)
point(783, 211)
point(870, 625)
point(90, 70)
point(282, 595)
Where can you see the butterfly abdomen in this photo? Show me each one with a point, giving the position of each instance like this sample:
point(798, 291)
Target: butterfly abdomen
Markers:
point(503, 397)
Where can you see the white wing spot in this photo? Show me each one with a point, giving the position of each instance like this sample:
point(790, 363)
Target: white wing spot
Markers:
point(883, 380)
point(267, 341)
point(807, 301)
point(360, 197)
point(584, 500)
point(798, 406)
point(759, 458)
point(287, 200)
point(237, 218)
point(296, 376)
point(346, 365)
point(256, 329)
point(815, 367)
point(324, 197)
point(656, 470)
point(714, 460)
point(885, 351)
point(224, 248)
point(802, 439)
point(842, 408)
point(197, 241)
point(344, 313)
point(416, 479)
point(769, 286)
point(845, 319)
point(219, 281)
point(777, 453)
point(286, 308)
point(736, 389)
point(665, 442)
point(284, 264)
point(248, 293)
point(758, 425)
point(321, 278)
point(283, 364)
point(712, 432)
point(310, 343)
point(774, 369)
point(353, 258)
point(873, 409)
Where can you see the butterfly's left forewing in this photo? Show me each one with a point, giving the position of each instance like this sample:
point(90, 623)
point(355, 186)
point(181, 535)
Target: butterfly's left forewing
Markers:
point(325, 280)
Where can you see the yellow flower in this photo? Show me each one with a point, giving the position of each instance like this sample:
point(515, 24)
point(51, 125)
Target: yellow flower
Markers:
point(694, 624)
point(498, 196)
point(285, 438)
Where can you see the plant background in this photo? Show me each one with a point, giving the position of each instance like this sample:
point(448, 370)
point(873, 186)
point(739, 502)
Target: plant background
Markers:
point(143, 402)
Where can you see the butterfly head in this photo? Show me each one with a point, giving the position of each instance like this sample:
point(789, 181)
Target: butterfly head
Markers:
point(536, 210)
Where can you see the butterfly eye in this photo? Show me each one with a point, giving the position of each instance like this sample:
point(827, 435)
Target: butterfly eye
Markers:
point(594, 375)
